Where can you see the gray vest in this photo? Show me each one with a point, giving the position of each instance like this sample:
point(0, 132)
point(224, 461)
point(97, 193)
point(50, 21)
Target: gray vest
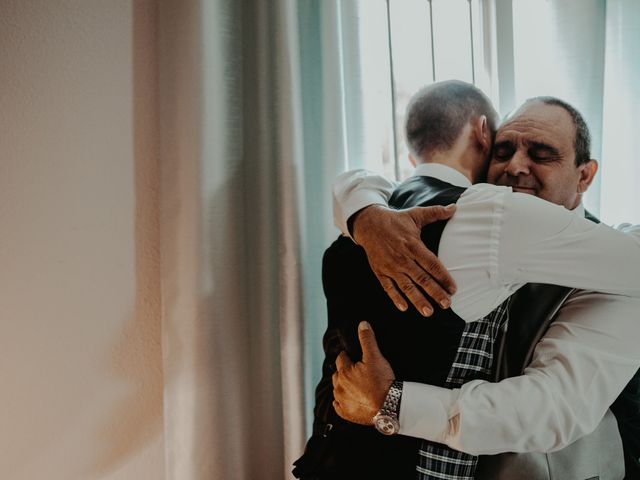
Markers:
point(597, 456)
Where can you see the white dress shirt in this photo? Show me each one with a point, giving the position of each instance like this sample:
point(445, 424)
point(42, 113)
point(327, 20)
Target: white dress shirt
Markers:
point(497, 241)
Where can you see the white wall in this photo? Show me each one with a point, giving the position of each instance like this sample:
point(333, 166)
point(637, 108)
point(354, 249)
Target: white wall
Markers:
point(80, 357)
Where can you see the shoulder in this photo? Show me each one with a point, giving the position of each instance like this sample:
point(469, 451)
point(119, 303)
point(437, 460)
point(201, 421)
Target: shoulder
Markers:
point(485, 191)
point(628, 228)
point(342, 247)
point(424, 191)
point(501, 200)
point(341, 261)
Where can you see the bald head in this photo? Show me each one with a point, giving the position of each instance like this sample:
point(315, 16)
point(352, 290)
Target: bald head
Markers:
point(581, 137)
point(543, 149)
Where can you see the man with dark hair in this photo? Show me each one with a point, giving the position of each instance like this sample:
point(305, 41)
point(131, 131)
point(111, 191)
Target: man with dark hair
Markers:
point(541, 149)
point(428, 351)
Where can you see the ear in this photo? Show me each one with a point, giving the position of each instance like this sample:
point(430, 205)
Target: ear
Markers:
point(587, 173)
point(412, 160)
point(482, 133)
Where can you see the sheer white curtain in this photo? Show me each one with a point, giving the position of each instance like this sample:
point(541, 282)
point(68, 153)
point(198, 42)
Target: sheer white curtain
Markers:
point(259, 112)
point(558, 50)
point(620, 176)
point(333, 132)
point(587, 52)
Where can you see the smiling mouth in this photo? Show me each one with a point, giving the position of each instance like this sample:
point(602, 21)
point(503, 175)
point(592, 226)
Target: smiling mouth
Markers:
point(523, 189)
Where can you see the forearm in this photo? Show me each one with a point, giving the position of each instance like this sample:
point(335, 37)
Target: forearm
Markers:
point(578, 370)
point(355, 190)
point(521, 414)
point(569, 250)
point(498, 241)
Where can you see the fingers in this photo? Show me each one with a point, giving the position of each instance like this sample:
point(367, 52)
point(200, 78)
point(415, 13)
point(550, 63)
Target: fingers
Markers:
point(343, 361)
point(404, 266)
point(337, 392)
point(430, 285)
point(434, 278)
point(425, 258)
point(338, 388)
point(408, 283)
point(415, 295)
point(370, 350)
point(394, 294)
point(338, 409)
point(426, 215)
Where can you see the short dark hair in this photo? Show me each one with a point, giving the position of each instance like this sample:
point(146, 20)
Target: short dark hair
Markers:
point(437, 113)
point(582, 143)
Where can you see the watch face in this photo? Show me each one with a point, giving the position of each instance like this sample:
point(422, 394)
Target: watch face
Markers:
point(386, 424)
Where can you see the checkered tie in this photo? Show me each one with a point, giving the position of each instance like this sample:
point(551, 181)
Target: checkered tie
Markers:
point(474, 360)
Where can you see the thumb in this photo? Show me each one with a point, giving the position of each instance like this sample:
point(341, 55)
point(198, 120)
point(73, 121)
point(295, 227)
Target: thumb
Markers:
point(370, 350)
point(426, 215)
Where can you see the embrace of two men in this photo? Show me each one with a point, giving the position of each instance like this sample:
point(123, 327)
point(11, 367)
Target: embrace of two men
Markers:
point(530, 341)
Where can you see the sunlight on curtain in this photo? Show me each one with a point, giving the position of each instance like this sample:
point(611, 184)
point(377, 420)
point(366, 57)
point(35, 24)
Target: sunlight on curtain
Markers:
point(232, 168)
point(334, 134)
point(452, 40)
point(586, 52)
point(559, 51)
point(560, 48)
point(412, 63)
point(376, 90)
point(620, 195)
point(400, 53)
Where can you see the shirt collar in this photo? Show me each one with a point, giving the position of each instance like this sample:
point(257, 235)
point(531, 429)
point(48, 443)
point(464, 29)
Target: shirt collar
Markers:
point(442, 172)
point(454, 177)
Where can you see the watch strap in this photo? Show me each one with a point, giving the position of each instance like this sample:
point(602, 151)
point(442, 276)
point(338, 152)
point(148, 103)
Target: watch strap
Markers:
point(391, 405)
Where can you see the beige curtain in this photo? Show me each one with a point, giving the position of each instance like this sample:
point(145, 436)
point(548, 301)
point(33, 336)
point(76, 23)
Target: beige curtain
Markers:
point(260, 109)
point(231, 173)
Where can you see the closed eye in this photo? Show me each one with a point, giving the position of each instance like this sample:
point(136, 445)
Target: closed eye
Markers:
point(540, 152)
point(503, 151)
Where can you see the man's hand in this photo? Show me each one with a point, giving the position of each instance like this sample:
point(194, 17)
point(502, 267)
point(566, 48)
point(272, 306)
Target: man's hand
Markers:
point(360, 389)
point(402, 263)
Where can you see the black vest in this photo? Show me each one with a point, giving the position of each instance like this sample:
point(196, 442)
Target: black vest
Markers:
point(419, 349)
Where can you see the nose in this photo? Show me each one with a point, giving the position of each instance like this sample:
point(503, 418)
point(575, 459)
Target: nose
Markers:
point(518, 165)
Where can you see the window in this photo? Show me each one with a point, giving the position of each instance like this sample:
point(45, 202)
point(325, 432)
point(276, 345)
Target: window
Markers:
point(406, 44)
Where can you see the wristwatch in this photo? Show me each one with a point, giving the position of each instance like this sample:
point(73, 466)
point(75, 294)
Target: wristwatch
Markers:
point(386, 420)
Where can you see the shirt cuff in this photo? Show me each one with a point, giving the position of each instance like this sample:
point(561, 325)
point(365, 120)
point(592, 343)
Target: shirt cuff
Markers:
point(358, 200)
point(424, 411)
